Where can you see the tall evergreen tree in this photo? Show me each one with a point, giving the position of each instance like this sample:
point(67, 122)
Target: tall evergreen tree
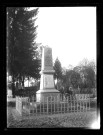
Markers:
point(58, 69)
point(58, 74)
point(21, 33)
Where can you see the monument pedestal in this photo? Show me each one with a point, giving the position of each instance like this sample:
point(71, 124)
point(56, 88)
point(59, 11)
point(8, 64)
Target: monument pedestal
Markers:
point(41, 95)
point(47, 88)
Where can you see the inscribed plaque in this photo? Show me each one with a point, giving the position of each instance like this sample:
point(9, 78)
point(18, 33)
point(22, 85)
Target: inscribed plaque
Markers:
point(48, 81)
point(48, 57)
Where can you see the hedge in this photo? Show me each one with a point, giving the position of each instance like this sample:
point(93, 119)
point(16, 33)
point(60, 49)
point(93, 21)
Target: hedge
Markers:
point(27, 91)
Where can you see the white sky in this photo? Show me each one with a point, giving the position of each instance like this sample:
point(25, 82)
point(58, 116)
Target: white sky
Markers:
point(70, 31)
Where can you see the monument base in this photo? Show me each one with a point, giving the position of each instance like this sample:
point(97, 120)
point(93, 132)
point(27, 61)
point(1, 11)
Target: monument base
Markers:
point(52, 94)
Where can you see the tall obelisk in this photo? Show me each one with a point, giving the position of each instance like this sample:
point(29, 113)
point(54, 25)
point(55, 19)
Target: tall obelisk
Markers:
point(47, 86)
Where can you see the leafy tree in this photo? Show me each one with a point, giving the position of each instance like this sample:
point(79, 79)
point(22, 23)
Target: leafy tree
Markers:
point(88, 75)
point(77, 69)
point(75, 79)
point(71, 78)
point(21, 33)
point(66, 80)
point(84, 62)
point(92, 65)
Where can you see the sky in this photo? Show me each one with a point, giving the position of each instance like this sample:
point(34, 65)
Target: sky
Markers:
point(69, 31)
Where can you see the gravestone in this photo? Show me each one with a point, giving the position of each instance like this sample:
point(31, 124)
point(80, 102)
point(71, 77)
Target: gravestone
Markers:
point(47, 86)
point(9, 93)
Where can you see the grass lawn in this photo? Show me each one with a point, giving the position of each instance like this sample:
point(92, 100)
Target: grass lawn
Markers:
point(49, 121)
point(80, 119)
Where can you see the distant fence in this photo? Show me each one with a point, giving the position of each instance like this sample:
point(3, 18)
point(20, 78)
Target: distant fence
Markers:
point(83, 96)
point(28, 106)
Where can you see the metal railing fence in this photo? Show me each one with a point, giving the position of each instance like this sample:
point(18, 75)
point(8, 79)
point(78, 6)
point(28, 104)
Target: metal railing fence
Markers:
point(28, 106)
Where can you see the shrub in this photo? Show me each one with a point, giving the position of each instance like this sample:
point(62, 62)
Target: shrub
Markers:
point(28, 91)
point(86, 91)
point(93, 104)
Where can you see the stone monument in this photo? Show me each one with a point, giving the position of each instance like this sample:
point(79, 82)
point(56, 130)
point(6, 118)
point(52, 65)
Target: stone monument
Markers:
point(47, 86)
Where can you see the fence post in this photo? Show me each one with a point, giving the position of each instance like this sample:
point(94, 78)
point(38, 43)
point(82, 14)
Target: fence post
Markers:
point(61, 106)
point(74, 102)
point(16, 102)
point(57, 104)
point(67, 103)
point(70, 104)
point(40, 108)
point(83, 104)
point(47, 105)
point(89, 102)
point(51, 104)
point(79, 105)
point(23, 104)
point(32, 99)
point(26, 104)
point(29, 105)
point(20, 109)
point(86, 104)
point(43, 104)
point(20, 105)
point(64, 104)
point(32, 103)
point(54, 105)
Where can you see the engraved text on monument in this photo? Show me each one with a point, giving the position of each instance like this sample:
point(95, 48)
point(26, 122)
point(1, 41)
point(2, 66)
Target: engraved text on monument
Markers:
point(48, 58)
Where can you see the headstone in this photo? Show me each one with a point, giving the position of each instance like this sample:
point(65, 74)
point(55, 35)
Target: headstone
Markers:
point(9, 93)
point(47, 87)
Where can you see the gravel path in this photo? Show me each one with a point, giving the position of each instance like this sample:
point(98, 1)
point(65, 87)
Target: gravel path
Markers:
point(50, 121)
